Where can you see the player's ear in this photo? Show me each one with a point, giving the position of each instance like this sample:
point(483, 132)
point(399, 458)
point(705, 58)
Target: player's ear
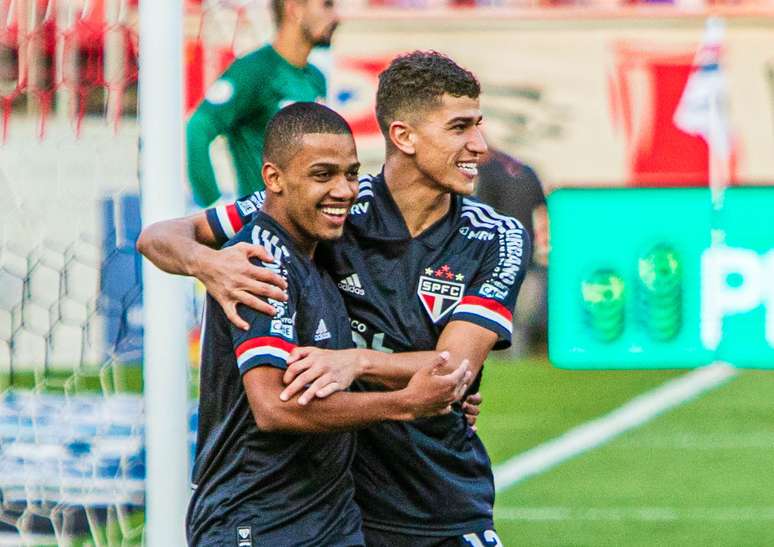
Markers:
point(402, 137)
point(293, 9)
point(272, 178)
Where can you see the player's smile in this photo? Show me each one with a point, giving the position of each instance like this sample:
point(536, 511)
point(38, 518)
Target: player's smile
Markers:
point(337, 213)
point(468, 168)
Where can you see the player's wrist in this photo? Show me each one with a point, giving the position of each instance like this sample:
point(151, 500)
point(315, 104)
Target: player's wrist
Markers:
point(364, 362)
point(197, 262)
point(402, 405)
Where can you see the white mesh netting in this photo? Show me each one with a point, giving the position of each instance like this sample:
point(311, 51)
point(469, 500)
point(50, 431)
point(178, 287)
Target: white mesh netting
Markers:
point(71, 414)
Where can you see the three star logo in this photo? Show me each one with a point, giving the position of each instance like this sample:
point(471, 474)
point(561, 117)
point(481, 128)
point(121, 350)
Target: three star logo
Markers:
point(440, 290)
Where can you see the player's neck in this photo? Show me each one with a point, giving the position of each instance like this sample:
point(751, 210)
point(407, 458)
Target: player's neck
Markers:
point(421, 203)
point(305, 244)
point(291, 46)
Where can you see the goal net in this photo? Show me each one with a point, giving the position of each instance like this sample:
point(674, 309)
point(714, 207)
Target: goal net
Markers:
point(72, 455)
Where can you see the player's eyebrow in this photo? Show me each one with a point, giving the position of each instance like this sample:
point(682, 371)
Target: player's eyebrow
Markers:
point(325, 164)
point(332, 166)
point(468, 120)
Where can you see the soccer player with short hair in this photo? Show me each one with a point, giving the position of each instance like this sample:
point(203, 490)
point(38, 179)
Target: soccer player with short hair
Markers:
point(422, 268)
point(269, 472)
point(241, 101)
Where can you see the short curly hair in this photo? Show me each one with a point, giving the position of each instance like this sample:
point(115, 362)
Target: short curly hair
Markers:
point(417, 81)
point(285, 131)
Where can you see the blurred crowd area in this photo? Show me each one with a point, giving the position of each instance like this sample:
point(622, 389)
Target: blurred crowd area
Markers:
point(548, 4)
point(79, 57)
point(538, 4)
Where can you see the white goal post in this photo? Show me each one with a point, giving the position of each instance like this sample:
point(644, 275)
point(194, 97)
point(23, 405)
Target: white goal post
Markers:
point(163, 196)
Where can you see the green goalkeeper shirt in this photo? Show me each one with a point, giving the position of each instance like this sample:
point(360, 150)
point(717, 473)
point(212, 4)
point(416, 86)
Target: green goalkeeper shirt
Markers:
point(239, 105)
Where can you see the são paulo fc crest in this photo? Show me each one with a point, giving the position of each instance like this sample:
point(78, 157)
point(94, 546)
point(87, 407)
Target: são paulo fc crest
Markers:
point(440, 290)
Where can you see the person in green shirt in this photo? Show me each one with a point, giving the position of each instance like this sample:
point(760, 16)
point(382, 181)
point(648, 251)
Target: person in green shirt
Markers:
point(255, 87)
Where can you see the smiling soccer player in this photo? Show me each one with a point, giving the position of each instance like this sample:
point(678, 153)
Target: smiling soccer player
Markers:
point(269, 472)
point(422, 268)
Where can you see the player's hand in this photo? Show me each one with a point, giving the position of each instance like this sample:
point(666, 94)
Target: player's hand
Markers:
point(232, 279)
point(431, 391)
point(471, 407)
point(319, 372)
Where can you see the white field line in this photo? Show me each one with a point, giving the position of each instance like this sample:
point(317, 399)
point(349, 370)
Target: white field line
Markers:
point(688, 440)
point(592, 434)
point(647, 513)
point(11, 539)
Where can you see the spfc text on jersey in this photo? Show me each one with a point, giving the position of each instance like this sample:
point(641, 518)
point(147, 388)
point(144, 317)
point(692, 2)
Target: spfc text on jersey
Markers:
point(439, 297)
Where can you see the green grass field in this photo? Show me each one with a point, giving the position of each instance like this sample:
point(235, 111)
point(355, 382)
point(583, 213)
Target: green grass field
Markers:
point(700, 474)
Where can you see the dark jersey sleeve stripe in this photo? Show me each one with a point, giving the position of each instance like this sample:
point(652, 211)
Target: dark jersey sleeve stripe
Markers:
point(264, 350)
point(214, 222)
point(227, 220)
point(487, 313)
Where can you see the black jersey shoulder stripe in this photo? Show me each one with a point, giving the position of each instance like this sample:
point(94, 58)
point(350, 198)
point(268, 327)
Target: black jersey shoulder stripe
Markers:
point(490, 214)
point(476, 220)
point(484, 218)
point(365, 188)
point(271, 242)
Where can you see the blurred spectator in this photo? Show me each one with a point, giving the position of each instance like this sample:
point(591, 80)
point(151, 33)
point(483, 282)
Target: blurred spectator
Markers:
point(514, 189)
point(241, 102)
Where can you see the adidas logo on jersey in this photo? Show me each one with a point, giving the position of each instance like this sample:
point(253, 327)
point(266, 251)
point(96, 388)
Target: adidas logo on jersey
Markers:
point(322, 332)
point(352, 284)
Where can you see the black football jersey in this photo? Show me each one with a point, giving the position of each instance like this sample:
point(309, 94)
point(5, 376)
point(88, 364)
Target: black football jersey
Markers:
point(275, 488)
point(431, 476)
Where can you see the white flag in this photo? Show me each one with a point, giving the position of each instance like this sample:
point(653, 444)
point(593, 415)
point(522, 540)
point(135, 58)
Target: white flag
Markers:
point(702, 109)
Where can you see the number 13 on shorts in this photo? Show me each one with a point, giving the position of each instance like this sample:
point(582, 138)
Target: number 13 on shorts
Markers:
point(487, 538)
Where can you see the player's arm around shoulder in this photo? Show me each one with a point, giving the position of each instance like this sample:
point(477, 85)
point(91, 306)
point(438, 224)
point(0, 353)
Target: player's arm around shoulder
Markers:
point(191, 246)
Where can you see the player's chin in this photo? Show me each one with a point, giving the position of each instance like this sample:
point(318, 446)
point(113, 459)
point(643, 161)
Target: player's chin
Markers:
point(331, 234)
point(325, 40)
point(328, 231)
point(464, 185)
point(468, 188)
